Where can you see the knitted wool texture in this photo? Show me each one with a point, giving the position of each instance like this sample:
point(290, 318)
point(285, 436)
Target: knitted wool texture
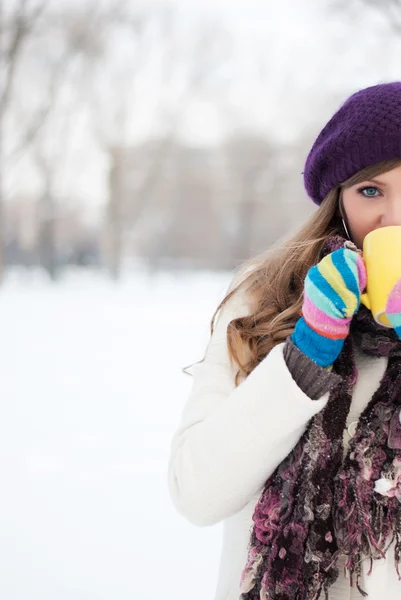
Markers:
point(332, 295)
point(316, 506)
point(393, 308)
point(364, 131)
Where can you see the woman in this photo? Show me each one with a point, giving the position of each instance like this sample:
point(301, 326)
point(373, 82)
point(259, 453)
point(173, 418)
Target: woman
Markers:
point(291, 434)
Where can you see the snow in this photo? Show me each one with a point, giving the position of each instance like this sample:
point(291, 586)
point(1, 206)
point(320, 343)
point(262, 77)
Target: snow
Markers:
point(92, 392)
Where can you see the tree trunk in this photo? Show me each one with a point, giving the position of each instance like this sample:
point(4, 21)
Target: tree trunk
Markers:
point(2, 234)
point(114, 227)
point(246, 214)
point(47, 235)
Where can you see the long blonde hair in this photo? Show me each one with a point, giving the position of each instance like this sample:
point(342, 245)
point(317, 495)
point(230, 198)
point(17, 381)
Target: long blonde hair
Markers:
point(274, 280)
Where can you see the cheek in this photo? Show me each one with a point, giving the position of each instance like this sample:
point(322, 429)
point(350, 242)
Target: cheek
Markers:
point(361, 218)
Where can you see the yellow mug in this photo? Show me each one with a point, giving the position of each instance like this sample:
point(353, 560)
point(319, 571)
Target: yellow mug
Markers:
point(382, 257)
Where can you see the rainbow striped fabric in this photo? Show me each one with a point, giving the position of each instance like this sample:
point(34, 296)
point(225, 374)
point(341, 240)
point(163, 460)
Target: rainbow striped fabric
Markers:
point(332, 295)
point(393, 308)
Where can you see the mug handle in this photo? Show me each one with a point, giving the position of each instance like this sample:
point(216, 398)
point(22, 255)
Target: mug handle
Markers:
point(365, 301)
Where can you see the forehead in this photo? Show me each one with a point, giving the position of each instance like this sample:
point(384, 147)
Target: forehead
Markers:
point(391, 176)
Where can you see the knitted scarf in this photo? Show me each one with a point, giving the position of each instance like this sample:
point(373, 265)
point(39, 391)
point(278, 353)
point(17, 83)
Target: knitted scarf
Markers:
point(318, 505)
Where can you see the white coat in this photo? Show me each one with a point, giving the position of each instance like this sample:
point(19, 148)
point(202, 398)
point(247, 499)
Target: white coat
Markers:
point(231, 439)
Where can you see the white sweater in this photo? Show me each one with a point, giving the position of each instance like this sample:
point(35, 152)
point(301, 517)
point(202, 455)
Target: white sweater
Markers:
point(231, 439)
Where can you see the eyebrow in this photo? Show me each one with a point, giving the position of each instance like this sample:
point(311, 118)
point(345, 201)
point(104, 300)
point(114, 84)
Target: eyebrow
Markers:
point(377, 181)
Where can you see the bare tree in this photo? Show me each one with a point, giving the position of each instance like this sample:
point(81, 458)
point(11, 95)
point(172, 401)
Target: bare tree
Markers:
point(111, 93)
point(155, 46)
point(19, 22)
point(82, 31)
point(42, 128)
point(50, 156)
point(248, 162)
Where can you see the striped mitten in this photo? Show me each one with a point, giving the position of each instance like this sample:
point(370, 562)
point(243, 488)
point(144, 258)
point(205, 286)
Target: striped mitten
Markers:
point(393, 308)
point(332, 295)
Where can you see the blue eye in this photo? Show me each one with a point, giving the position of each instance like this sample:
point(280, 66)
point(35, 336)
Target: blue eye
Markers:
point(369, 191)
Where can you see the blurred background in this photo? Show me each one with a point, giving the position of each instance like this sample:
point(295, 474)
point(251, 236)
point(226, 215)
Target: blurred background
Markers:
point(147, 148)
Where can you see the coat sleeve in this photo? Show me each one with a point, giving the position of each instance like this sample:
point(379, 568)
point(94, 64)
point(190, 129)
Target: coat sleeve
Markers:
point(231, 439)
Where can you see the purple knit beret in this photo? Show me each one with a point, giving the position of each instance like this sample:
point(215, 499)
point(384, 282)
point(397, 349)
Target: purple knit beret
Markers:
point(364, 131)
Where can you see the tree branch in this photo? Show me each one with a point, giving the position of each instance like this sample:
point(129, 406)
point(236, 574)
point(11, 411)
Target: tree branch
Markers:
point(24, 24)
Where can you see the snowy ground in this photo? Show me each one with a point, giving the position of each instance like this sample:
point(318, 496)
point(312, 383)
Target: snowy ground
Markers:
point(92, 391)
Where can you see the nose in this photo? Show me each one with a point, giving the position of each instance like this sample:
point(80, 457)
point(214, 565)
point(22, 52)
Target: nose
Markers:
point(392, 214)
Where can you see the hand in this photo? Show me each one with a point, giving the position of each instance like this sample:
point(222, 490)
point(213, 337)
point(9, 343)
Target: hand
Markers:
point(332, 295)
point(393, 308)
